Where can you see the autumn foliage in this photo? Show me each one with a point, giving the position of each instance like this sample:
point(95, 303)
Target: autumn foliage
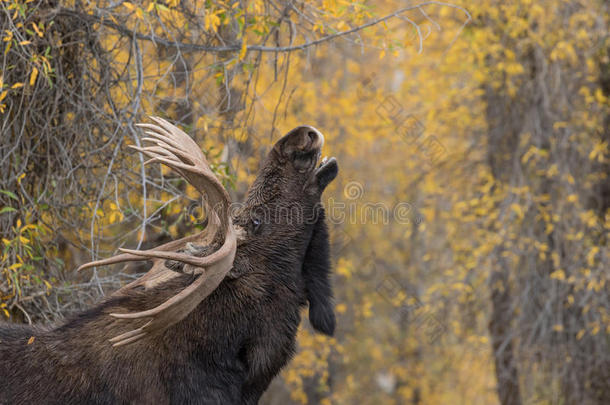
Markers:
point(470, 218)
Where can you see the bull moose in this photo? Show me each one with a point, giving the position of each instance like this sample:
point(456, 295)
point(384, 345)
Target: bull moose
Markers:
point(215, 318)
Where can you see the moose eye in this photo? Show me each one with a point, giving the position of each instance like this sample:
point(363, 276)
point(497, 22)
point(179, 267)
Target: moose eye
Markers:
point(256, 224)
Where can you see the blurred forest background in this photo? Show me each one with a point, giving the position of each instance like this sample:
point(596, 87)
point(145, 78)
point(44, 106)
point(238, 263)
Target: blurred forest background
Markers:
point(470, 218)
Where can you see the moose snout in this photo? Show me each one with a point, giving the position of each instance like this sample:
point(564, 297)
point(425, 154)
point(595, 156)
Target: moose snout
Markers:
point(314, 137)
point(304, 139)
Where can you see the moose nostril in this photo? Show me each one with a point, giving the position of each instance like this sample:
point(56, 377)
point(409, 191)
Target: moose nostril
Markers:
point(304, 138)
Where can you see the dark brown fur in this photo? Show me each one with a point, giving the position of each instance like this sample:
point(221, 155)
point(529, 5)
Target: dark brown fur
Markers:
point(231, 346)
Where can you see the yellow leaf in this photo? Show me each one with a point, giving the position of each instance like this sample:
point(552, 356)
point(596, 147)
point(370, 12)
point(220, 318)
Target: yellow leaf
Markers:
point(580, 334)
point(31, 340)
point(557, 328)
point(3, 94)
point(598, 151)
point(517, 209)
point(591, 255)
point(244, 49)
point(25, 42)
point(17, 85)
point(37, 30)
point(530, 152)
point(558, 275)
point(344, 268)
point(129, 6)
point(33, 76)
point(595, 329)
point(599, 96)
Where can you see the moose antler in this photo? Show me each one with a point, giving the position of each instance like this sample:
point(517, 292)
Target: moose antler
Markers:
point(175, 149)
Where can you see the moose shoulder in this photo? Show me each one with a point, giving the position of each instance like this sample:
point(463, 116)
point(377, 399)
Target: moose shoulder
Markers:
point(215, 318)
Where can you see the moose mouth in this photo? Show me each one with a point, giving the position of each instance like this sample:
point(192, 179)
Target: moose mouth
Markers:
point(325, 164)
point(324, 169)
point(326, 172)
point(319, 167)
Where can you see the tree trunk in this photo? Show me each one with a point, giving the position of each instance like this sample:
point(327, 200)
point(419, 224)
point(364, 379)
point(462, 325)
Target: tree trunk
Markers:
point(502, 343)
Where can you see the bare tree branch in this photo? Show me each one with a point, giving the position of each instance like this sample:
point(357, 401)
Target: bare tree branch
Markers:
point(187, 47)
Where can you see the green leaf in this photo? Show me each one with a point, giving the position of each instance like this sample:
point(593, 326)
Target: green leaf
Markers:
point(7, 209)
point(10, 194)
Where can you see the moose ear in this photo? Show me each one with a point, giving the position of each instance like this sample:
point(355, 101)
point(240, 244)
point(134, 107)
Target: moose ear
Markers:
point(316, 273)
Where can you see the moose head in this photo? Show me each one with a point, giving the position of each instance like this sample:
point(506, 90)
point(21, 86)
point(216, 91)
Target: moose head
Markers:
point(276, 225)
point(285, 221)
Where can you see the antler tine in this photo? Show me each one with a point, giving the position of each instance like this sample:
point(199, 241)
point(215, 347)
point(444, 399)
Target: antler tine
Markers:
point(197, 172)
point(156, 153)
point(125, 257)
point(162, 148)
point(128, 257)
point(176, 132)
